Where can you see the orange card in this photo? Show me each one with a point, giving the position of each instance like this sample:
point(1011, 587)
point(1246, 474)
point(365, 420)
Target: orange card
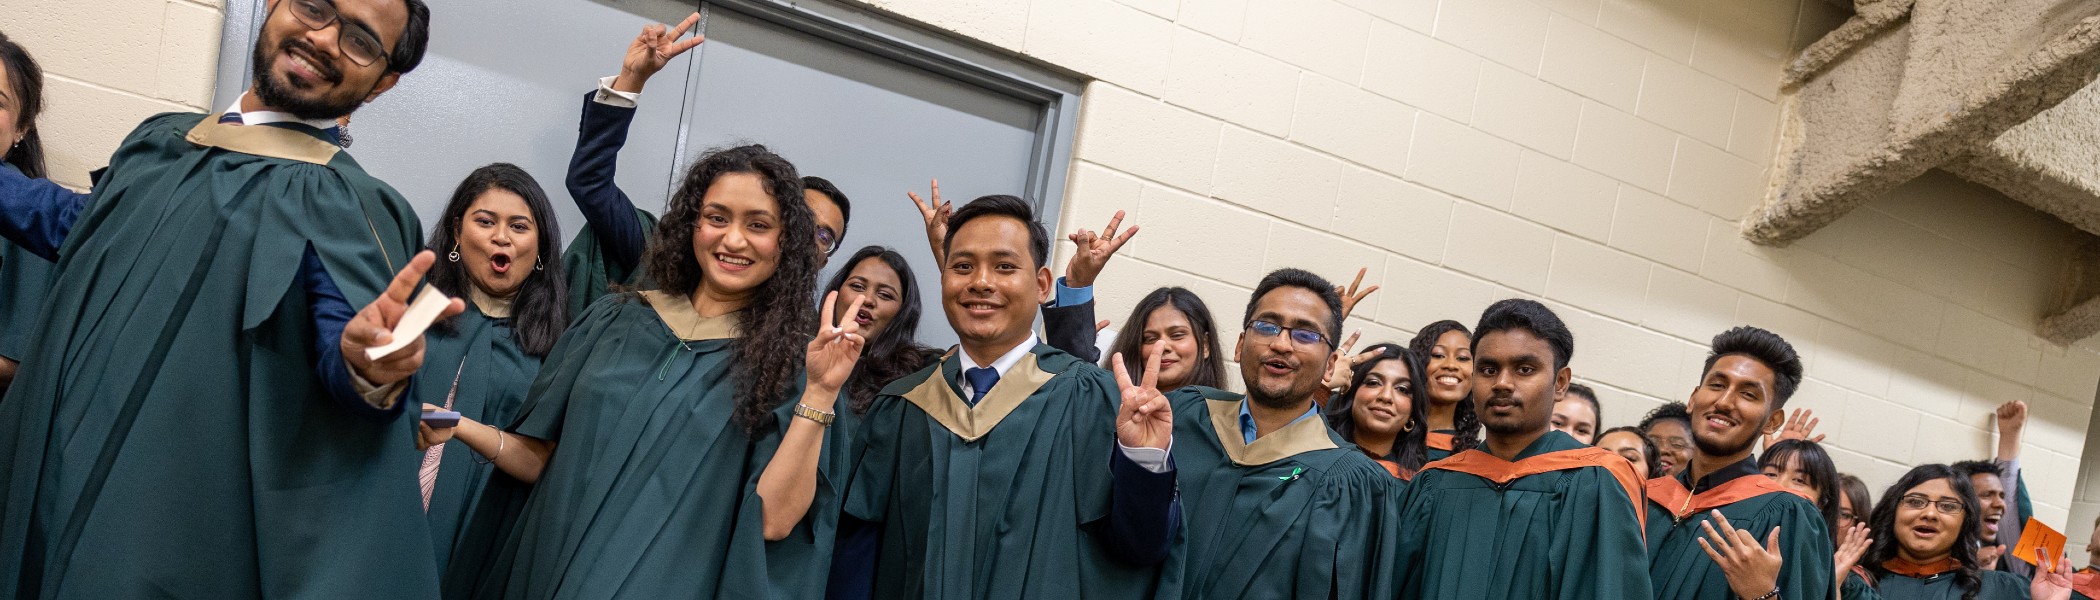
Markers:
point(2039, 540)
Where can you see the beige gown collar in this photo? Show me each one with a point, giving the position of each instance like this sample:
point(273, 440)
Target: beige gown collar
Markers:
point(676, 311)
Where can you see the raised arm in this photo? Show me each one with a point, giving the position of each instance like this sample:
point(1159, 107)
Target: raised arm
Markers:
point(607, 113)
point(1144, 512)
point(1068, 321)
point(789, 484)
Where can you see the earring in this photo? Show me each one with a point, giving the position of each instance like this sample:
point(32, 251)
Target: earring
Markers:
point(1409, 428)
point(539, 263)
point(454, 256)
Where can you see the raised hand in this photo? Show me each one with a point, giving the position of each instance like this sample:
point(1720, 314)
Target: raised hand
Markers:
point(1752, 570)
point(653, 48)
point(1340, 363)
point(1351, 295)
point(374, 326)
point(1852, 544)
point(2052, 579)
point(2012, 417)
point(935, 213)
point(1094, 251)
point(1798, 427)
point(1145, 419)
point(833, 353)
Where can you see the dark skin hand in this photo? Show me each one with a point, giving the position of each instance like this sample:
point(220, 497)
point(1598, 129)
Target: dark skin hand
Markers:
point(374, 324)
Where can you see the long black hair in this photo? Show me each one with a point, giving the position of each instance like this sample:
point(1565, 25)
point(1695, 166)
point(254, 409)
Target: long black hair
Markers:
point(773, 330)
point(1465, 423)
point(1648, 450)
point(1822, 474)
point(895, 352)
point(27, 80)
point(1882, 526)
point(541, 308)
point(1411, 447)
point(1210, 368)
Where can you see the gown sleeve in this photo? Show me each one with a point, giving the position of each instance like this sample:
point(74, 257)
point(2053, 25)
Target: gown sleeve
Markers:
point(608, 210)
point(1598, 536)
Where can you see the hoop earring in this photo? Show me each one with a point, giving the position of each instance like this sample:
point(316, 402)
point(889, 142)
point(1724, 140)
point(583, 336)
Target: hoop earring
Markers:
point(1410, 428)
point(454, 256)
point(539, 263)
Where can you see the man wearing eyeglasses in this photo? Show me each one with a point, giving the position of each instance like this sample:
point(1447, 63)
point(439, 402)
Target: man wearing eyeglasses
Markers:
point(1278, 505)
point(1721, 527)
point(200, 417)
point(1531, 513)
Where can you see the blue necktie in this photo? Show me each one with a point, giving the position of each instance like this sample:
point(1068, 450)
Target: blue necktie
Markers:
point(981, 381)
point(233, 118)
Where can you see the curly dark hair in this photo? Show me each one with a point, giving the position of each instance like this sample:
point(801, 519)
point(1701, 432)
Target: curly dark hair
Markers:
point(773, 330)
point(542, 302)
point(1411, 448)
point(1465, 423)
point(1882, 526)
point(896, 351)
point(1673, 411)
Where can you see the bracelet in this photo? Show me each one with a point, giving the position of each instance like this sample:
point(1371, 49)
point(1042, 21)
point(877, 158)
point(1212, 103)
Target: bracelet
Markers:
point(821, 417)
point(1768, 595)
point(499, 449)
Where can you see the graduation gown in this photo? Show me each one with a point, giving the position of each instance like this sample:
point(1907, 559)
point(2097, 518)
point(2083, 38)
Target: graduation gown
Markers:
point(1997, 585)
point(1439, 443)
point(1680, 569)
point(1299, 513)
point(1559, 523)
point(169, 435)
point(481, 360)
point(650, 491)
point(1007, 499)
point(592, 273)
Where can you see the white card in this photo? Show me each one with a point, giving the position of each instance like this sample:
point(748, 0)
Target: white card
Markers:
point(423, 311)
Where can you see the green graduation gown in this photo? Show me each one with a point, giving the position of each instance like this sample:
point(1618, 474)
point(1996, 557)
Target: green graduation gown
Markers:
point(1439, 443)
point(1997, 585)
point(480, 358)
point(650, 492)
point(168, 436)
point(1299, 513)
point(1006, 499)
point(1680, 569)
point(592, 274)
point(1559, 523)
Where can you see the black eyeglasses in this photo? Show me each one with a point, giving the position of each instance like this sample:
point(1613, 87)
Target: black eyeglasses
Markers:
point(1945, 507)
point(829, 240)
point(1303, 337)
point(357, 43)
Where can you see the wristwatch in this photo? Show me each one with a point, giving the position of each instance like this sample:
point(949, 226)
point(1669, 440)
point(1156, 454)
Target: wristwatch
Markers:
point(821, 417)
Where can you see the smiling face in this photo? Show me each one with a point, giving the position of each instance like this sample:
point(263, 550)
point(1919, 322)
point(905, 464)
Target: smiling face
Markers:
point(1924, 535)
point(1514, 382)
point(1451, 368)
point(1168, 332)
point(304, 71)
point(1795, 477)
point(736, 237)
point(990, 288)
point(1733, 405)
point(499, 242)
point(1990, 494)
point(1383, 402)
point(1279, 372)
point(1574, 417)
point(875, 282)
point(1628, 444)
point(1673, 445)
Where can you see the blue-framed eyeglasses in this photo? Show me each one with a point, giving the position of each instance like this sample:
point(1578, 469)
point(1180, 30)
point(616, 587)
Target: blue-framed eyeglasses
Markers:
point(1305, 337)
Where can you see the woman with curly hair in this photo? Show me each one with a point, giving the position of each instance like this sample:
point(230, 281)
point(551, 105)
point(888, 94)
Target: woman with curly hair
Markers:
point(663, 404)
point(1446, 348)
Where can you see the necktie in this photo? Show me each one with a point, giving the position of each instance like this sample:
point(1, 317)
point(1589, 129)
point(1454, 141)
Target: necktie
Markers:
point(981, 381)
point(428, 475)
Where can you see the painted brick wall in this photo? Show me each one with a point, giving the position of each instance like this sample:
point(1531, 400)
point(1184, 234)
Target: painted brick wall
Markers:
point(1593, 153)
point(109, 64)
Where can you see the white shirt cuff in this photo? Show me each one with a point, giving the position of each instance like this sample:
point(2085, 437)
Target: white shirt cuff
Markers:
point(380, 397)
point(1152, 459)
point(611, 97)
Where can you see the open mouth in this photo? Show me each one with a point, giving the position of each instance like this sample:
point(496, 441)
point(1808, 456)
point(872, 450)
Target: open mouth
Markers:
point(1925, 531)
point(305, 64)
point(864, 318)
point(732, 262)
point(500, 262)
point(1718, 422)
point(1277, 366)
point(1448, 380)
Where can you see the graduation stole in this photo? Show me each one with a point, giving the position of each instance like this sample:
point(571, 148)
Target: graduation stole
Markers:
point(2086, 581)
point(1486, 466)
point(1299, 437)
point(1438, 440)
point(939, 400)
point(1913, 570)
point(1669, 493)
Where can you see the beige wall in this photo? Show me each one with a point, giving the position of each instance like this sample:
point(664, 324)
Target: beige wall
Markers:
point(109, 64)
point(1594, 153)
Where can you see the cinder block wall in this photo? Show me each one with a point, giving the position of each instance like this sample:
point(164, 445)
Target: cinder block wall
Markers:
point(1593, 153)
point(109, 64)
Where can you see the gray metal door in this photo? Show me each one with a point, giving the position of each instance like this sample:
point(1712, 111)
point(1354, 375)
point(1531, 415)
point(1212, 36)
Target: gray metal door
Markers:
point(875, 106)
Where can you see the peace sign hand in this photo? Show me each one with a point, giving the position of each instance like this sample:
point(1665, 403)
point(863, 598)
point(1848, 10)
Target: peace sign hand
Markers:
point(1352, 295)
point(1752, 570)
point(1145, 419)
point(935, 213)
point(1341, 365)
point(1094, 251)
point(651, 50)
point(833, 353)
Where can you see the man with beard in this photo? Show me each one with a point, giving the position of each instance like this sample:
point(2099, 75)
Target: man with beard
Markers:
point(1533, 513)
point(1278, 505)
point(1010, 469)
point(2001, 494)
point(199, 417)
point(1721, 528)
